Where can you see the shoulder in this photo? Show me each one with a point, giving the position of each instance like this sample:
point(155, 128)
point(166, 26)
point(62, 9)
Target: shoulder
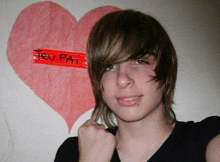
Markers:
point(213, 150)
point(189, 140)
point(213, 120)
point(213, 146)
point(68, 151)
point(197, 133)
point(207, 128)
point(206, 134)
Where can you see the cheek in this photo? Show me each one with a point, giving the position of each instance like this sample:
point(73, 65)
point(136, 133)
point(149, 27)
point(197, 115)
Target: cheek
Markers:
point(107, 81)
point(151, 70)
point(146, 75)
point(107, 86)
point(156, 92)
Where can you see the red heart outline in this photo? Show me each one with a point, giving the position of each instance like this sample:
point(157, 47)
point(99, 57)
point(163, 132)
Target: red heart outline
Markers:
point(48, 25)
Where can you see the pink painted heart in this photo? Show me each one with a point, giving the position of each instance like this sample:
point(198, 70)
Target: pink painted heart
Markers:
point(47, 25)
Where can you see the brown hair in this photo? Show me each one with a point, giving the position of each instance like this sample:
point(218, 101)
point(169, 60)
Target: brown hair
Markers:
point(129, 34)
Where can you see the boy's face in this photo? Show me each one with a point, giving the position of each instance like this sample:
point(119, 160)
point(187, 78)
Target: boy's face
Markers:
point(129, 91)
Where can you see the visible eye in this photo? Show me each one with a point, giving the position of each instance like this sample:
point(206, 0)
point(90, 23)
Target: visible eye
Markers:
point(141, 62)
point(110, 67)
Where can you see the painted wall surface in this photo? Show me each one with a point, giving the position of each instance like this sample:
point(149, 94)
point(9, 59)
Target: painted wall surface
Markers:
point(31, 131)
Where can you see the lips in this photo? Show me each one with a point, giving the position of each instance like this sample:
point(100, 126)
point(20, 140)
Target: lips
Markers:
point(129, 100)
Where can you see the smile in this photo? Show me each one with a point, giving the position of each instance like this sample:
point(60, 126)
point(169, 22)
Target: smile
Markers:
point(129, 101)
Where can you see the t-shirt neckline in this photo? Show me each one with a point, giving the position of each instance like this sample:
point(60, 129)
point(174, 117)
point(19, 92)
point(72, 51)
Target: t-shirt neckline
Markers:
point(166, 143)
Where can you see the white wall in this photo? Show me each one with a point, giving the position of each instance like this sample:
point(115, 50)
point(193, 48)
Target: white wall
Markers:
point(32, 132)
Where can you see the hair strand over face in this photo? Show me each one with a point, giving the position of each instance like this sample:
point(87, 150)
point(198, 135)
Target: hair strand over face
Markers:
point(128, 34)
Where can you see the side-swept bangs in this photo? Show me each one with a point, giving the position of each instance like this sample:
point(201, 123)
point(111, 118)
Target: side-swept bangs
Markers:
point(128, 34)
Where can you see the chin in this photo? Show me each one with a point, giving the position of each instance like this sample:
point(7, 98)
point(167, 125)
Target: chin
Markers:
point(130, 117)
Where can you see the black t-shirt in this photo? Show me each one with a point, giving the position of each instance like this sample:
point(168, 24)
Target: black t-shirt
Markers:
point(187, 143)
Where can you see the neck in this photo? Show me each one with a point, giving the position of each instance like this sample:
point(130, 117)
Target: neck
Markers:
point(153, 130)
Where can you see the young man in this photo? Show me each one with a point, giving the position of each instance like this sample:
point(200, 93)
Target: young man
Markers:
point(133, 67)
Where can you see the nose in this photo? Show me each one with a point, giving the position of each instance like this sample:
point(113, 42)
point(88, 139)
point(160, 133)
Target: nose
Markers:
point(124, 76)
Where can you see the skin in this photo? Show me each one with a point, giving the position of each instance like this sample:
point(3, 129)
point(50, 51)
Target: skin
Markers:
point(130, 92)
point(94, 141)
point(213, 150)
point(134, 98)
